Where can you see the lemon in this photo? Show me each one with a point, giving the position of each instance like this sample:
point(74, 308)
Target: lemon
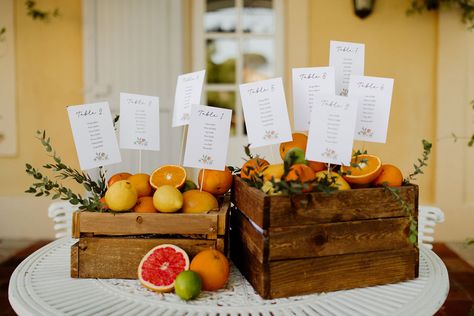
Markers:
point(121, 196)
point(167, 199)
point(273, 171)
point(339, 183)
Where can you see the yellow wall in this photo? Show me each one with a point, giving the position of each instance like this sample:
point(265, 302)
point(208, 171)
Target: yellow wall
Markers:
point(398, 47)
point(49, 77)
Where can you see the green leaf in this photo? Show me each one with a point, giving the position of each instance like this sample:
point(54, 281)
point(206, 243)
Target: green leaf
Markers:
point(412, 239)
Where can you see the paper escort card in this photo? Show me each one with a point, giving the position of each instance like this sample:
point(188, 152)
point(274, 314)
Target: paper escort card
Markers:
point(139, 122)
point(375, 97)
point(331, 133)
point(307, 84)
point(94, 135)
point(208, 137)
point(265, 112)
point(347, 60)
point(188, 93)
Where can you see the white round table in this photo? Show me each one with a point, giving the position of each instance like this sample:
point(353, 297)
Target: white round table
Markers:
point(41, 285)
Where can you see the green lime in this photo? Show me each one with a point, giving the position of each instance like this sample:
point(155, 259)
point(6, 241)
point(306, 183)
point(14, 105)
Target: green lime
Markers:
point(188, 285)
point(294, 156)
point(188, 185)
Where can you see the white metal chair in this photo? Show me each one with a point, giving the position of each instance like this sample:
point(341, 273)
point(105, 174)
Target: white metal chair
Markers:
point(428, 217)
point(61, 213)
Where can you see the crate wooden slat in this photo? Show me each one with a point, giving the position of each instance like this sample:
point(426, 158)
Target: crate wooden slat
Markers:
point(339, 206)
point(112, 245)
point(116, 257)
point(321, 242)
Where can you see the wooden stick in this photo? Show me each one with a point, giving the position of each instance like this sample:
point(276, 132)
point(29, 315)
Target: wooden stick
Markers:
point(272, 151)
point(329, 169)
point(202, 180)
point(139, 161)
point(181, 148)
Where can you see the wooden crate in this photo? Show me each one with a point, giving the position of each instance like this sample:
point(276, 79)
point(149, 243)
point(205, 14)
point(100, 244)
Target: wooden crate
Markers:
point(112, 245)
point(319, 242)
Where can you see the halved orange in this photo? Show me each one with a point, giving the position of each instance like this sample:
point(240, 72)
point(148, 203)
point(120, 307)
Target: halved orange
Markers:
point(364, 169)
point(169, 174)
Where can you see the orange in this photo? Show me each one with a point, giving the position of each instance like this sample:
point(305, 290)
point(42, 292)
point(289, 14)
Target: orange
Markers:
point(141, 182)
point(168, 175)
point(299, 141)
point(216, 182)
point(103, 204)
point(390, 175)
point(253, 167)
point(195, 201)
point(301, 173)
point(117, 177)
point(316, 165)
point(213, 268)
point(368, 167)
point(144, 205)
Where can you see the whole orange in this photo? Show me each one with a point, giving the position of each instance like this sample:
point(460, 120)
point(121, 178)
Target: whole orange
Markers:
point(390, 175)
point(195, 201)
point(253, 167)
point(117, 177)
point(316, 165)
point(299, 141)
point(216, 182)
point(144, 205)
point(301, 173)
point(213, 268)
point(141, 182)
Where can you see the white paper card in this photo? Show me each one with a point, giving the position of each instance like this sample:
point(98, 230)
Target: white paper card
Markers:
point(208, 137)
point(307, 84)
point(188, 93)
point(94, 135)
point(375, 97)
point(331, 133)
point(347, 60)
point(265, 112)
point(139, 122)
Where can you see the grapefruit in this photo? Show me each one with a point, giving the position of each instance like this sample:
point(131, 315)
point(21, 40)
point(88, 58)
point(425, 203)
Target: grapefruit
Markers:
point(160, 267)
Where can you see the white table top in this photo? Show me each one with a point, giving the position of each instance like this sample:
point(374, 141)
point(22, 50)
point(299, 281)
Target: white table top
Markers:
point(41, 285)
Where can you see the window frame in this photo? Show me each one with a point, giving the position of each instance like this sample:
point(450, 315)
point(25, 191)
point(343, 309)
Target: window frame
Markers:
point(200, 36)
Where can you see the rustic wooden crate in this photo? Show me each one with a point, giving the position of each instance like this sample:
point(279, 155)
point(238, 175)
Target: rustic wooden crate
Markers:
point(112, 245)
point(320, 242)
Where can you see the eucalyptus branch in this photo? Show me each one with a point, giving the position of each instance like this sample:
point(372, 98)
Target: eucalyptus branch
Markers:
point(421, 163)
point(65, 172)
point(409, 211)
point(470, 142)
point(38, 14)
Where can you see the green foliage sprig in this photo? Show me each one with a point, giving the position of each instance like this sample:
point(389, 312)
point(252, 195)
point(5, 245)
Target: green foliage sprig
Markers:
point(421, 162)
point(466, 6)
point(470, 142)
point(45, 186)
point(3, 30)
point(409, 211)
point(38, 14)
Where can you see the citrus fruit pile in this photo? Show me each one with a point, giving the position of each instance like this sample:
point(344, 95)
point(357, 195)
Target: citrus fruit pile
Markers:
point(166, 190)
point(167, 267)
point(365, 171)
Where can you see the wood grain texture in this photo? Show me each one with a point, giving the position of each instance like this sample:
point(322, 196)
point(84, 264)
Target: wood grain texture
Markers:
point(302, 276)
point(318, 207)
point(244, 233)
point(251, 201)
point(338, 238)
point(119, 257)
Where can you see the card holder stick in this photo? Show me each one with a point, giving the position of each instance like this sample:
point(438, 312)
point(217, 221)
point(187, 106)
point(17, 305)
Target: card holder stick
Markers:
point(139, 161)
point(181, 148)
point(202, 180)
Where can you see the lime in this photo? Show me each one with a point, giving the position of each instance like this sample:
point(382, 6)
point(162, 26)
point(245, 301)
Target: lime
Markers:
point(188, 285)
point(167, 199)
point(188, 185)
point(295, 156)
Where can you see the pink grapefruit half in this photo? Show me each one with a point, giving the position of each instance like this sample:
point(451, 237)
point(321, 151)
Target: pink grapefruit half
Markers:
point(160, 267)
